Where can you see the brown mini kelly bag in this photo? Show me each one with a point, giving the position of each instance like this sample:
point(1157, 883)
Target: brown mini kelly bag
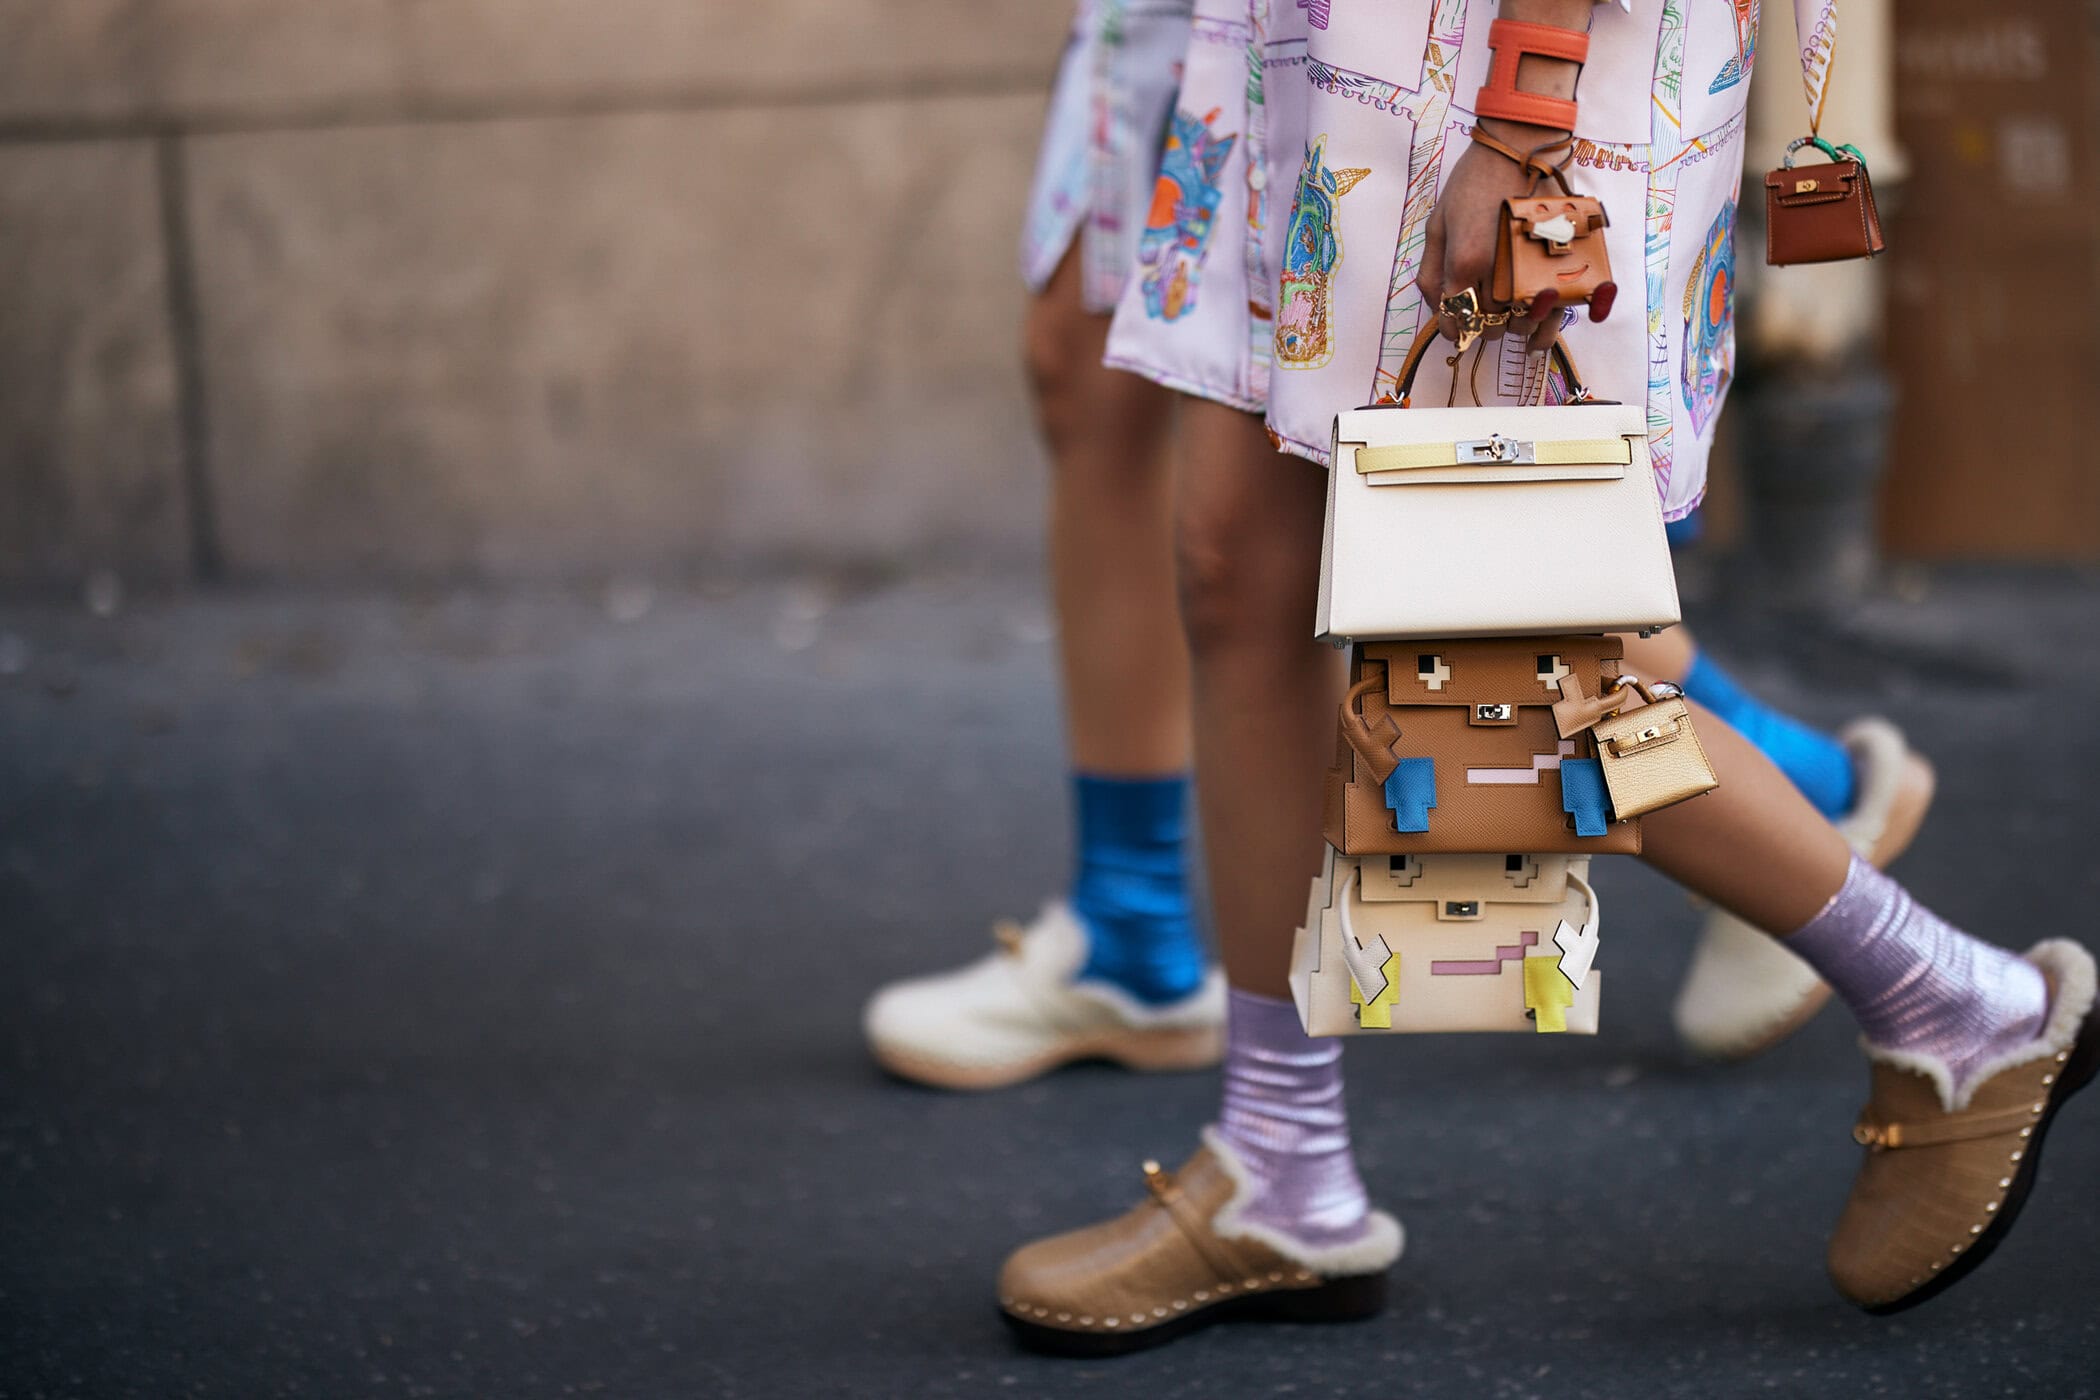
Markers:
point(1825, 212)
point(1453, 746)
point(1820, 213)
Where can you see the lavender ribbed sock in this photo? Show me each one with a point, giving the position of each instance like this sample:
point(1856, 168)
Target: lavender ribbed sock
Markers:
point(1916, 982)
point(1284, 1118)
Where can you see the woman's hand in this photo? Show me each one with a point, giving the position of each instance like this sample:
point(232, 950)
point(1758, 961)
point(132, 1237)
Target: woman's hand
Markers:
point(1459, 251)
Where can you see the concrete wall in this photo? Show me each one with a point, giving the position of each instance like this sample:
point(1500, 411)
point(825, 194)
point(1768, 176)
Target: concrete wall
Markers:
point(292, 289)
point(340, 289)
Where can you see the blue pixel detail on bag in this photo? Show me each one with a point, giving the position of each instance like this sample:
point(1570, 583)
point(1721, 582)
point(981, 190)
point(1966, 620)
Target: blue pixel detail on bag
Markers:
point(1410, 792)
point(1582, 795)
point(1131, 887)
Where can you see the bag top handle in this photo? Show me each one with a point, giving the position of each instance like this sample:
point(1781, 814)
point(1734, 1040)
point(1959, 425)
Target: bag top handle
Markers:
point(1357, 730)
point(1403, 388)
point(1574, 712)
point(1839, 154)
point(1661, 690)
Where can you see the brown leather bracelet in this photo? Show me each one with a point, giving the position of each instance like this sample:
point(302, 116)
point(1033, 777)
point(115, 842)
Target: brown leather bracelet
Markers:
point(1529, 160)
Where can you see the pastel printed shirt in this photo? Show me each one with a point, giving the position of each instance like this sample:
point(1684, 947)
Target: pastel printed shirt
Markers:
point(1344, 118)
point(1101, 142)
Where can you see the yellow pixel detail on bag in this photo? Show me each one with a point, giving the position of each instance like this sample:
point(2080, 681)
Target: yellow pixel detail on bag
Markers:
point(1548, 993)
point(1377, 1013)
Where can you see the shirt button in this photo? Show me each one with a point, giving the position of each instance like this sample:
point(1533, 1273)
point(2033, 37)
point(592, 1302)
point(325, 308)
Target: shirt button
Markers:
point(1257, 177)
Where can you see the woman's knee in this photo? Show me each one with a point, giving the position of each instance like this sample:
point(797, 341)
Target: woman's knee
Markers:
point(1247, 557)
point(1106, 429)
point(1061, 346)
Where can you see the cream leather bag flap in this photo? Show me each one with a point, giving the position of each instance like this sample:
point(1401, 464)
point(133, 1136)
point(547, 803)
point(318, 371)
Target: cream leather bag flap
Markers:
point(1397, 944)
point(1493, 521)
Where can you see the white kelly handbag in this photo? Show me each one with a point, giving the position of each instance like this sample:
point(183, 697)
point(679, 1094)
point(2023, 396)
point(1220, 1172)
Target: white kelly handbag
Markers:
point(1396, 944)
point(1493, 521)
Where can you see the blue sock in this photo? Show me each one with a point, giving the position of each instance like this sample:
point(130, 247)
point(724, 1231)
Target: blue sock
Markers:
point(1815, 762)
point(1131, 890)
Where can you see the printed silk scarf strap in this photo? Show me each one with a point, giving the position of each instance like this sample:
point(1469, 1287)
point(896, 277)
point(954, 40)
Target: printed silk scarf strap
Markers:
point(1815, 21)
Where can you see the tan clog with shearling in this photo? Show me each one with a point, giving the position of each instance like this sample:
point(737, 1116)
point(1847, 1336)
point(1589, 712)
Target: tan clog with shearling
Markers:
point(1183, 1259)
point(1947, 1170)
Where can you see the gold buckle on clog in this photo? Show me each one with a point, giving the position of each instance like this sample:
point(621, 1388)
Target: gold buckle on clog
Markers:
point(1877, 1135)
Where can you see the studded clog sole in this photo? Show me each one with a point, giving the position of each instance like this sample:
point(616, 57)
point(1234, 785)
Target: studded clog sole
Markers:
point(2082, 1061)
point(1350, 1299)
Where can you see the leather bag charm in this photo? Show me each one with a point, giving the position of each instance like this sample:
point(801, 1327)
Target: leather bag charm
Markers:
point(1398, 944)
point(1820, 213)
point(1549, 241)
point(1651, 755)
point(1452, 746)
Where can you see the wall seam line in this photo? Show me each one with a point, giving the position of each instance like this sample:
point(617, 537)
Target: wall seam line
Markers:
point(179, 274)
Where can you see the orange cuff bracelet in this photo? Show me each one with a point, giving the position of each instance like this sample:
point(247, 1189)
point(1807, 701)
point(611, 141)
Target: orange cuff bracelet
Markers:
point(1499, 96)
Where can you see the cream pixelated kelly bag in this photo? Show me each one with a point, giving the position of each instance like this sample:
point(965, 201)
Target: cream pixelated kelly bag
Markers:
point(1394, 944)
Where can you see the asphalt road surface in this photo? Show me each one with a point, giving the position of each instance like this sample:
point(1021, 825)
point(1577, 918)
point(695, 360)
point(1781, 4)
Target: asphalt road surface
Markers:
point(457, 996)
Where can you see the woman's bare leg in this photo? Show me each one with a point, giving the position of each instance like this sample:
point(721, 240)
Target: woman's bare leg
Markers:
point(1743, 993)
point(1266, 692)
point(1124, 665)
point(1754, 845)
point(1817, 762)
point(1127, 922)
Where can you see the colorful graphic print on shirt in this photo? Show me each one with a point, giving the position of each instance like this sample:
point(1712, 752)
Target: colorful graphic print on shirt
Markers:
point(1311, 251)
point(1736, 69)
point(1709, 307)
point(1184, 212)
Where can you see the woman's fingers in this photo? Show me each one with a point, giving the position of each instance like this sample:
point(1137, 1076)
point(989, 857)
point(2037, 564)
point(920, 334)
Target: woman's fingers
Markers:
point(1431, 277)
point(1539, 335)
point(1539, 323)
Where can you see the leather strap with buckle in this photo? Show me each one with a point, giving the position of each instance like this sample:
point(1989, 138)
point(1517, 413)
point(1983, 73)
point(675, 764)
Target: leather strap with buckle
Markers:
point(1955, 1127)
point(1530, 160)
point(1223, 1259)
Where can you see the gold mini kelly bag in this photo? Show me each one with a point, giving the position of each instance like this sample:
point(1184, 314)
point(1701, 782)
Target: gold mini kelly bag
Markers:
point(1651, 755)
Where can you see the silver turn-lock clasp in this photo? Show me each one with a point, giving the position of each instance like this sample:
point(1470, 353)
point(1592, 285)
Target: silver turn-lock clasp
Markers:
point(1495, 448)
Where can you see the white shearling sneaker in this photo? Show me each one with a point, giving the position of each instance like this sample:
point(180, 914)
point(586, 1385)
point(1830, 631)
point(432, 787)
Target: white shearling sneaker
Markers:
point(1745, 992)
point(1022, 1011)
